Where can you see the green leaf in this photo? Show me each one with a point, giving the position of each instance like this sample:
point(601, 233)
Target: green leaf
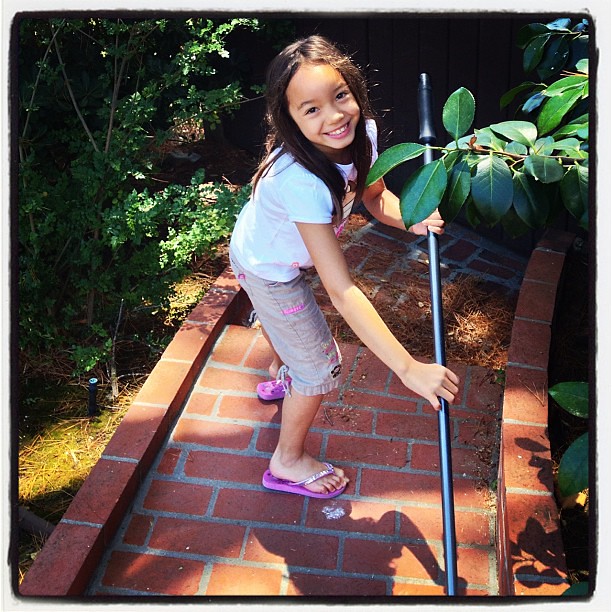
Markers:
point(516, 148)
point(530, 208)
point(556, 108)
point(554, 58)
point(392, 157)
point(573, 474)
point(562, 85)
point(534, 51)
point(513, 225)
point(492, 189)
point(573, 397)
point(458, 112)
point(574, 189)
point(521, 131)
point(529, 32)
point(583, 66)
point(545, 169)
point(471, 214)
point(511, 94)
point(457, 191)
point(422, 192)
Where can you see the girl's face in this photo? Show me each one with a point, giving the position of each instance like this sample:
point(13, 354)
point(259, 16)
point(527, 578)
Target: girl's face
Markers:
point(324, 109)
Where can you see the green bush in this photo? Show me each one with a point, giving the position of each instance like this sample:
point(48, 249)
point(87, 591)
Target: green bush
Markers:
point(519, 173)
point(97, 99)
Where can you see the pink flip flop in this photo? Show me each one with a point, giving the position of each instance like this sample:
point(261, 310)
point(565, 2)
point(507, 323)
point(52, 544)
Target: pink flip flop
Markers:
point(286, 486)
point(272, 389)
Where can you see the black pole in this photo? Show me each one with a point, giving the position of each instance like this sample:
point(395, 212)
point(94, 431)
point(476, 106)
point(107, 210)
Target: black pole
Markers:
point(427, 136)
point(92, 407)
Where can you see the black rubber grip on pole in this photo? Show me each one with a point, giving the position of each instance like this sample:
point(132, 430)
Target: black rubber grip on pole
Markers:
point(427, 132)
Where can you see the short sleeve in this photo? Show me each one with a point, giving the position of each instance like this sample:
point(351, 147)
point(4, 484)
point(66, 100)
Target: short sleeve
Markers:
point(306, 198)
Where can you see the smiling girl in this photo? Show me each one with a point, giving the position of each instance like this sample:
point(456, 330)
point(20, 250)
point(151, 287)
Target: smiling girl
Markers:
point(321, 143)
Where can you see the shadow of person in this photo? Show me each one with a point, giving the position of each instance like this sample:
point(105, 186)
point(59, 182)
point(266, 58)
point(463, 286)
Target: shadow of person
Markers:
point(340, 555)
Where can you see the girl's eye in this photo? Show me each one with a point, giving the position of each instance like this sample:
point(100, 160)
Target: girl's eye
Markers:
point(342, 94)
point(310, 110)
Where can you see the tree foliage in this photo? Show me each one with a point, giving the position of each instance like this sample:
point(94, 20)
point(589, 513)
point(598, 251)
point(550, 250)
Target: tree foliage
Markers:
point(97, 98)
point(520, 173)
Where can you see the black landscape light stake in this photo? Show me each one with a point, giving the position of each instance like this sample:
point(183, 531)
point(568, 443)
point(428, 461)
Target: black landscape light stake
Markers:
point(427, 136)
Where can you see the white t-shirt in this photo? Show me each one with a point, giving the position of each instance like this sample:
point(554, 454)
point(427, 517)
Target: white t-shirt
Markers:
point(265, 239)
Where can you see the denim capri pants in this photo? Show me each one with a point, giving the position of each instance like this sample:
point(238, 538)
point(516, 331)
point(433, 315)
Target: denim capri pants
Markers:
point(297, 330)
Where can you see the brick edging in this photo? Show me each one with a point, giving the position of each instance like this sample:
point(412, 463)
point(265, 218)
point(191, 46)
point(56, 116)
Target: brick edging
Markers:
point(67, 561)
point(531, 559)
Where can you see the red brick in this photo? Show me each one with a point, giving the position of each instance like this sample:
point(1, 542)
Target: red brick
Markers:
point(536, 301)
point(362, 449)
point(212, 433)
point(545, 266)
point(232, 580)
point(461, 250)
point(422, 523)
point(484, 392)
point(529, 344)
point(377, 400)
point(169, 461)
point(226, 281)
point(341, 514)
point(214, 309)
point(249, 409)
point(384, 244)
point(190, 343)
point(527, 461)
point(418, 590)
point(198, 537)
point(185, 498)
point(118, 480)
point(153, 574)
point(473, 564)
point(354, 255)
point(234, 345)
point(334, 586)
point(258, 506)
point(400, 486)
point(293, 548)
point(201, 403)
point(471, 494)
point(344, 418)
point(140, 433)
point(477, 432)
point(526, 395)
point(465, 462)
point(390, 558)
point(138, 529)
point(221, 379)
point(556, 240)
point(167, 385)
point(480, 265)
point(66, 563)
point(371, 373)
point(412, 426)
point(260, 355)
point(535, 544)
point(225, 467)
point(267, 440)
point(535, 588)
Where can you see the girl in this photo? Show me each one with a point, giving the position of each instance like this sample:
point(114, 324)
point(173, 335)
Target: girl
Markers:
point(320, 146)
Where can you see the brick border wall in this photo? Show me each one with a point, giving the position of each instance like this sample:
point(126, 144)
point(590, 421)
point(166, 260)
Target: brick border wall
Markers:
point(71, 555)
point(531, 559)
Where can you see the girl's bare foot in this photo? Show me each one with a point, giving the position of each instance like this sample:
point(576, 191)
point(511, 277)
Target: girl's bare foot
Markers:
point(304, 467)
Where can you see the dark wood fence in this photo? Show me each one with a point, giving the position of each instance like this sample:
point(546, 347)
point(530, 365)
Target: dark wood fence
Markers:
point(472, 51)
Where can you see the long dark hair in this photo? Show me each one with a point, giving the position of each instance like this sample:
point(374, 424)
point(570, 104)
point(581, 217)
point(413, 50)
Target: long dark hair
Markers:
point(283, 133)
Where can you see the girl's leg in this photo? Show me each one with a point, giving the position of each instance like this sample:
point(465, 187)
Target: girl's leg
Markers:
point(277, 362)
point(290, 461)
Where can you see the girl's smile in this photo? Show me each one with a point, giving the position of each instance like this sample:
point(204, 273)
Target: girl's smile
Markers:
point(324, 109)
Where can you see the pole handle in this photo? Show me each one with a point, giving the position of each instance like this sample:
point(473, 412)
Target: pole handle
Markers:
point(427, 131)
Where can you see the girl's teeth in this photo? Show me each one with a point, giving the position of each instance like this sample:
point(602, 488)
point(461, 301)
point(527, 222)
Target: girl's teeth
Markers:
point(338, 131)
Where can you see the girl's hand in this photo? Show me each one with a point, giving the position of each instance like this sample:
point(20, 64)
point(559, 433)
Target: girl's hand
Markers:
point(432, 381)
point(434, 222)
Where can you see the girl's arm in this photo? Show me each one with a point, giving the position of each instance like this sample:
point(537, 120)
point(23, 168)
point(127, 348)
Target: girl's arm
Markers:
point(384, 206)
point(431, 381)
